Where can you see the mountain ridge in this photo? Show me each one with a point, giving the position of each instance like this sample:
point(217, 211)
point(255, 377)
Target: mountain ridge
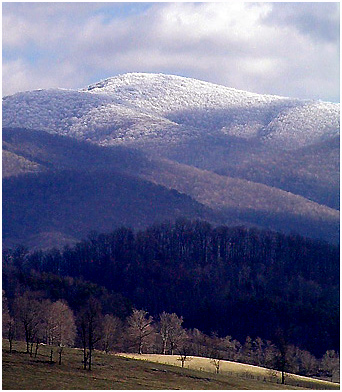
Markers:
point(185, 102)
point(250, 159)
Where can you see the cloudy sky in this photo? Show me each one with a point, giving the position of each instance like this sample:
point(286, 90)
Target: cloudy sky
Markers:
point(289, 49)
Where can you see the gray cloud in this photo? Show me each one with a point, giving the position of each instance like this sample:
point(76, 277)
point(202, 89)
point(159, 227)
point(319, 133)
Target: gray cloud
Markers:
point(319, 20)
point(285, 49)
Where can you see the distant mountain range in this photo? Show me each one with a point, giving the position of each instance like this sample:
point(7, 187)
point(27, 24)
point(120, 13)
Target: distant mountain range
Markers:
point(142, 148)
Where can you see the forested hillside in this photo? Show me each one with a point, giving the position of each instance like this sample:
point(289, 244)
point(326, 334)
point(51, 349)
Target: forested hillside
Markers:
point(83, 187)
point(236, 281)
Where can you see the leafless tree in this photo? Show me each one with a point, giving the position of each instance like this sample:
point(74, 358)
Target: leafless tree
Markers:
point(5, 314)
point(28, 312)
point(281, 359)
point(111, 332)
point(60, 326)
point(308, 363)
point(171, 331)
point(259, 351)
point(246, 352)
point(216, 355)
point(11, 332)
point(177, 333)
point(270, 352)
point(216, 362)
point(140, 328)
point(8, 324)
point(184, 351)
point(331, 365)
point(231, 347)
point(90, 329)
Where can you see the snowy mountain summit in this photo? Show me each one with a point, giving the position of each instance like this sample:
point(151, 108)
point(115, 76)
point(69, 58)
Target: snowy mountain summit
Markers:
point(151, 109)
point(199, 150)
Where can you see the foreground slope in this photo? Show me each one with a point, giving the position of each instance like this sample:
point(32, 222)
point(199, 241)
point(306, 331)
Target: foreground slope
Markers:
point(111, 372)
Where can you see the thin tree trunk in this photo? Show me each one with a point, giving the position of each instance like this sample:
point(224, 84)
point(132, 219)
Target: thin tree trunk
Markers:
point(60, 356)
point(36, 351)
point(27, 340)
point(140, 346)
point(85, 358)
point(89, 360)
point(171, 348)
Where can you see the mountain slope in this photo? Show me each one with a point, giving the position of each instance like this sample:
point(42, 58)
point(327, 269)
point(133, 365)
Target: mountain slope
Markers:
point(53, 209)
point(220, 199)
point(247, 202)
point(311, 171)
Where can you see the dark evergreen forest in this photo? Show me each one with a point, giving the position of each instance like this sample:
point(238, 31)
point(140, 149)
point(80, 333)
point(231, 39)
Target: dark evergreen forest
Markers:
point(229, 281)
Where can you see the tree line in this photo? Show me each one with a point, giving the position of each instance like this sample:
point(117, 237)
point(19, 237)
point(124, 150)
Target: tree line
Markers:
point(37, 321)
point(240, 282)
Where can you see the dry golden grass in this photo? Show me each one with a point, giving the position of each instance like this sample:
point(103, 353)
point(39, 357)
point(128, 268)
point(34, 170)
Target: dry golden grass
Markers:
point(236, 369)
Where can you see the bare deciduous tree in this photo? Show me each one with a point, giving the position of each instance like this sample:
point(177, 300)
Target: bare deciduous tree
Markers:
point(281, 360)
point(60, 326)
point(331, 365)
point(216, 356)
point(90, 329)
point(8, 324)
point(140, 328)
point(5, 314)
point(111, 332)
point(184, 352)
point(173, 333)
point(216, 362)
point(232, 347)
point(28, 311)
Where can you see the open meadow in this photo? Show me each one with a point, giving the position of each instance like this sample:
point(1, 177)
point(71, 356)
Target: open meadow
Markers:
point(20, 371)
point(235, 369)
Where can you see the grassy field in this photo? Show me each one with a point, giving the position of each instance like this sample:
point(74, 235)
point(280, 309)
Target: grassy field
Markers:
point(228, 369)
point(20, 371)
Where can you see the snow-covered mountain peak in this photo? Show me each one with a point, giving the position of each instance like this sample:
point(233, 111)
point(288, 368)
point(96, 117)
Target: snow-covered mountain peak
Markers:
point(158, 108)
point(169, 93)
point(160, 81)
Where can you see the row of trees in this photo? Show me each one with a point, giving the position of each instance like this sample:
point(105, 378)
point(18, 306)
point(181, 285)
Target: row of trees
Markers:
point(42, 321)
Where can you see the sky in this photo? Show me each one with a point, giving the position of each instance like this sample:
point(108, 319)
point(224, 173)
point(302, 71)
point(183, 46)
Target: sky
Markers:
point(289, 49)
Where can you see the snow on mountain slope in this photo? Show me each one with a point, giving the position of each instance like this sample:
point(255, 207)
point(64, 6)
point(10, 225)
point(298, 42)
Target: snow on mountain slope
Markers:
point(192, 102)
point(113, 123)
point(297, 126)
point(164, 94)
point(54, 110)
point(155, 108)
point(93, 117)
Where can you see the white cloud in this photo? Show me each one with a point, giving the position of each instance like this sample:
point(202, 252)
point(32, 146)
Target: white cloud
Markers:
point(261, 47)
